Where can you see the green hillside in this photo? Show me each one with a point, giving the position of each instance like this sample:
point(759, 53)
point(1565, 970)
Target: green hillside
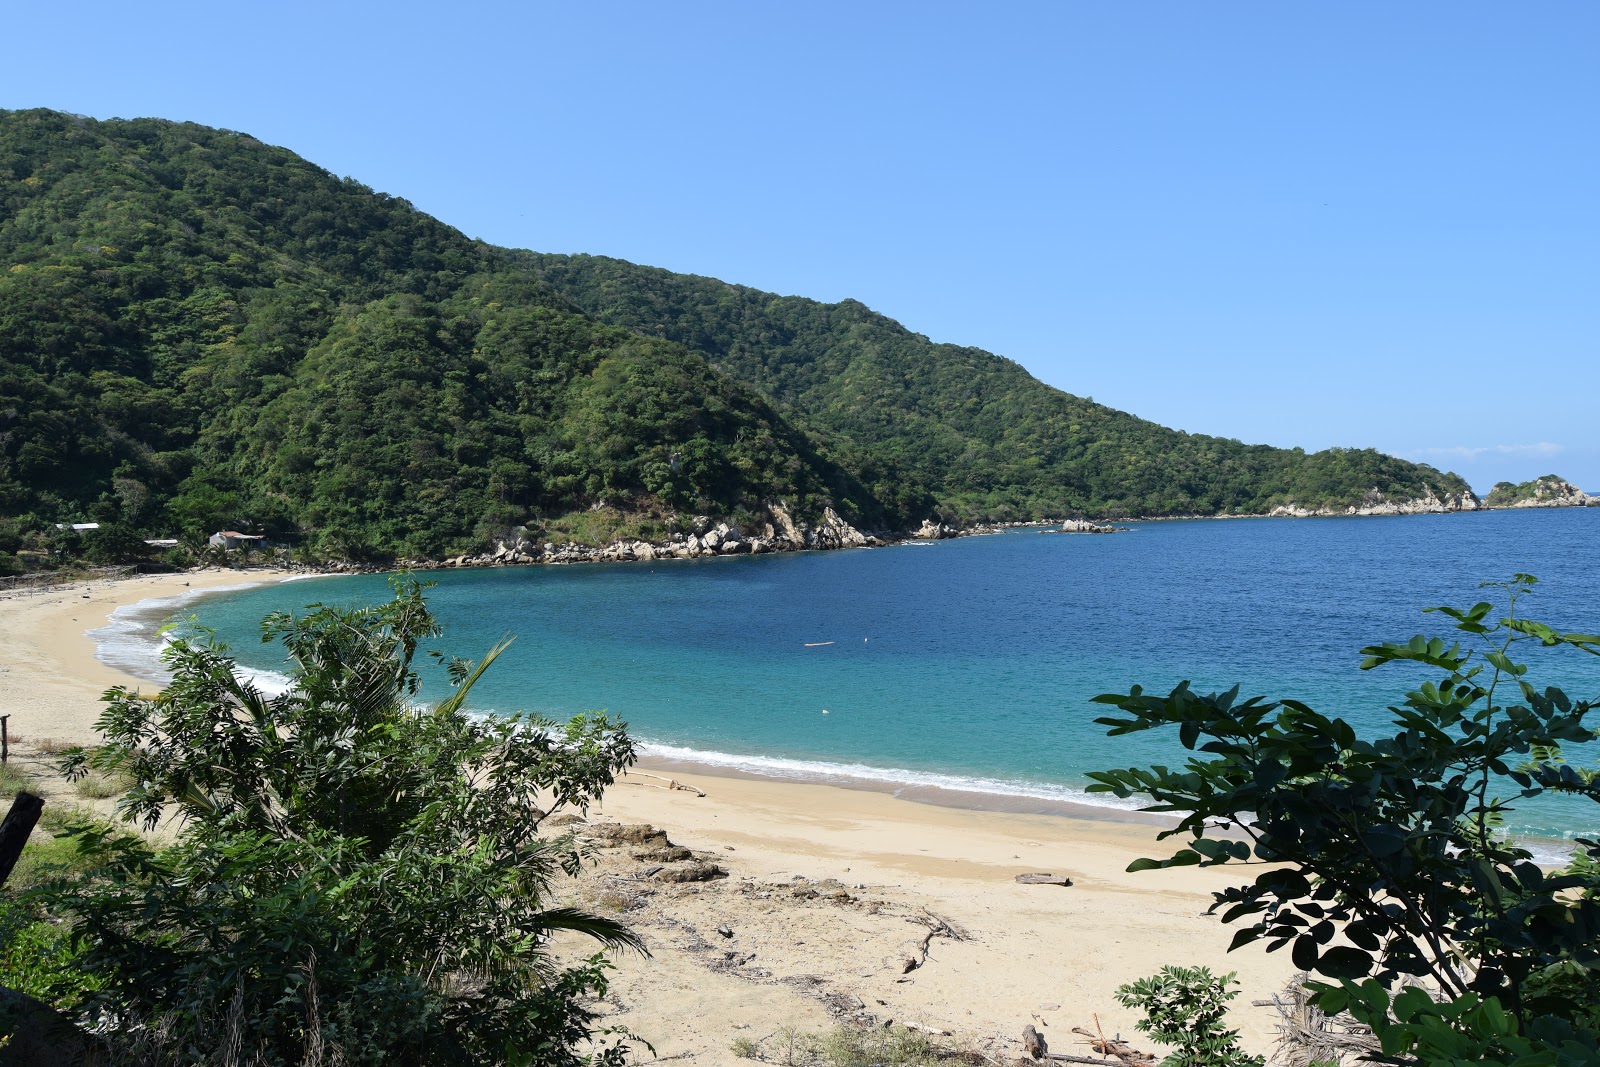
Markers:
point(200, 331)
point(987, 438)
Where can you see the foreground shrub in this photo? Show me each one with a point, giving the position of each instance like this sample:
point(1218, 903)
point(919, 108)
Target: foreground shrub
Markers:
point(357, 878)
point(1186, 1007)
point(1387, 856)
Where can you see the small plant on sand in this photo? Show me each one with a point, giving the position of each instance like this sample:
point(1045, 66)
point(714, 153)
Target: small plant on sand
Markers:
point(1186, 1007)
point(103, 785)
point(13, 779)
point(853, 1046)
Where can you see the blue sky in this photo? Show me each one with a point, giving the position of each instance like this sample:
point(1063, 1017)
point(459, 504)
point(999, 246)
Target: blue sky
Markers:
point(1314, 223)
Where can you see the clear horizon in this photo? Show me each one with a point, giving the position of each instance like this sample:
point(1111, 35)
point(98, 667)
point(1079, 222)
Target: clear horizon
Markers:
point(1327, 225)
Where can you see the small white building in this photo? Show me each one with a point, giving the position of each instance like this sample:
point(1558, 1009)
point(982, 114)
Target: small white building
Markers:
point(234, 539)
point(77, 527)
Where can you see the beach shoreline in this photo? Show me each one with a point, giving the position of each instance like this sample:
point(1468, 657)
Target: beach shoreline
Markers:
point(1039, 954)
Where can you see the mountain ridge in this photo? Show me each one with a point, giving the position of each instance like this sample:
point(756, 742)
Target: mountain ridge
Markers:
point(198, 329)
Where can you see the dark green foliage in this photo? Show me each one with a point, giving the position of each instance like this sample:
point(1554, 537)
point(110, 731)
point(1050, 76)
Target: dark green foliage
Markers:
point(1466, 1031)
point(37, 957)
point(1387, 858)
point(1186, 1007)
point(114, 543)
point(354, 874)
point(199, 331)
point(976, 430)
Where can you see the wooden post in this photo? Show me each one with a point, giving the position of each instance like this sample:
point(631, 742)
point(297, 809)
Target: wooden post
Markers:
point(5, 738)
point(19, 823)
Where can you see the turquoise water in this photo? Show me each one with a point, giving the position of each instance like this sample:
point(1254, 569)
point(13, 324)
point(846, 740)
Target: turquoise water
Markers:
point(969, 664)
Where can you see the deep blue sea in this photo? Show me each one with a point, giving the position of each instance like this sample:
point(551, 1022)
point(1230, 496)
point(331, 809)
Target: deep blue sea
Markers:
point(966, 666)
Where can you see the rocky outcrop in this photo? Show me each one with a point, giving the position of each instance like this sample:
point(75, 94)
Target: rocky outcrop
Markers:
point(834, 532)
point(779, 532)
point(934, 530)
point(1376, 503)
point(1085, 526)
point(1550, 491)
point(780, 526)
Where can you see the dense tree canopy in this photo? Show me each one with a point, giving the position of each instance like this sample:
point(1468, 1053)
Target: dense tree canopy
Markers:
point(986, 437)
point(199, 331)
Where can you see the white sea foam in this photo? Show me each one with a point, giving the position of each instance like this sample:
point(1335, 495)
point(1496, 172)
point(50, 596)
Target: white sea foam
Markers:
point(132, 639)
point(897, 778)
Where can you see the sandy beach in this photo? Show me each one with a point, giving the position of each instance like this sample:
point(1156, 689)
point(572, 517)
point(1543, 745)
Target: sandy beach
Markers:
point(828, 891)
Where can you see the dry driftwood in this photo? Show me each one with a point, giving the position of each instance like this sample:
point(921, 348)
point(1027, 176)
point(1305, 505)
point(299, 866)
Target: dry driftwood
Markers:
point(937, 927)
point(1116, 1050)
point(672, 783)
point(1033, 1042)
point(1042, 878)
point(1307, 1036)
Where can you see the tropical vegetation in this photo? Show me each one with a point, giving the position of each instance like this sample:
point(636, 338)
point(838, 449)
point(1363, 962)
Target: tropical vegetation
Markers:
point(199, 331)
point(986, 438)
point(1387, 870)
point(355, 877)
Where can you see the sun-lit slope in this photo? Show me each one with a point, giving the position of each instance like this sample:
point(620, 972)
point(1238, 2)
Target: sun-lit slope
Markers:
point(199, 330)
point(984, 435)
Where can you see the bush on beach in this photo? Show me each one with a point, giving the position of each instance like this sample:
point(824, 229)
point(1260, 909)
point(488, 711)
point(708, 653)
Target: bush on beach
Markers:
point(1387, 859)
point(355, 878)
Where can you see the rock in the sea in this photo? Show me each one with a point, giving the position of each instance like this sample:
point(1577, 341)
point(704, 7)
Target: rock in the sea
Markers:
point(1084, 526)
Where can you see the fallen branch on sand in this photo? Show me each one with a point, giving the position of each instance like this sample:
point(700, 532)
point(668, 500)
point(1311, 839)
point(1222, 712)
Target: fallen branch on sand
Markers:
point(672, 783)
point(1116, 1050)
point(937, 927)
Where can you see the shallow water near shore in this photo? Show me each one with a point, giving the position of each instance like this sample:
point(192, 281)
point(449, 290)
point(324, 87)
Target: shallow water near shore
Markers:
point(963, 670)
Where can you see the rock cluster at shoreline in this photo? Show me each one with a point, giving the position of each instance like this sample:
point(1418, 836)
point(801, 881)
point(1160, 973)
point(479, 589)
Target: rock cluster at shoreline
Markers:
point(1376, 503)
point(778, 532)
point(1548, 492)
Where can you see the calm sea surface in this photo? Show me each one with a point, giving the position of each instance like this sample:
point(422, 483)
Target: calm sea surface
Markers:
point(966, 666)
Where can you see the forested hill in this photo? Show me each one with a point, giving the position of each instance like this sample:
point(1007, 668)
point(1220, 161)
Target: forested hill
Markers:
point(985, 436)
point(199, 331)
